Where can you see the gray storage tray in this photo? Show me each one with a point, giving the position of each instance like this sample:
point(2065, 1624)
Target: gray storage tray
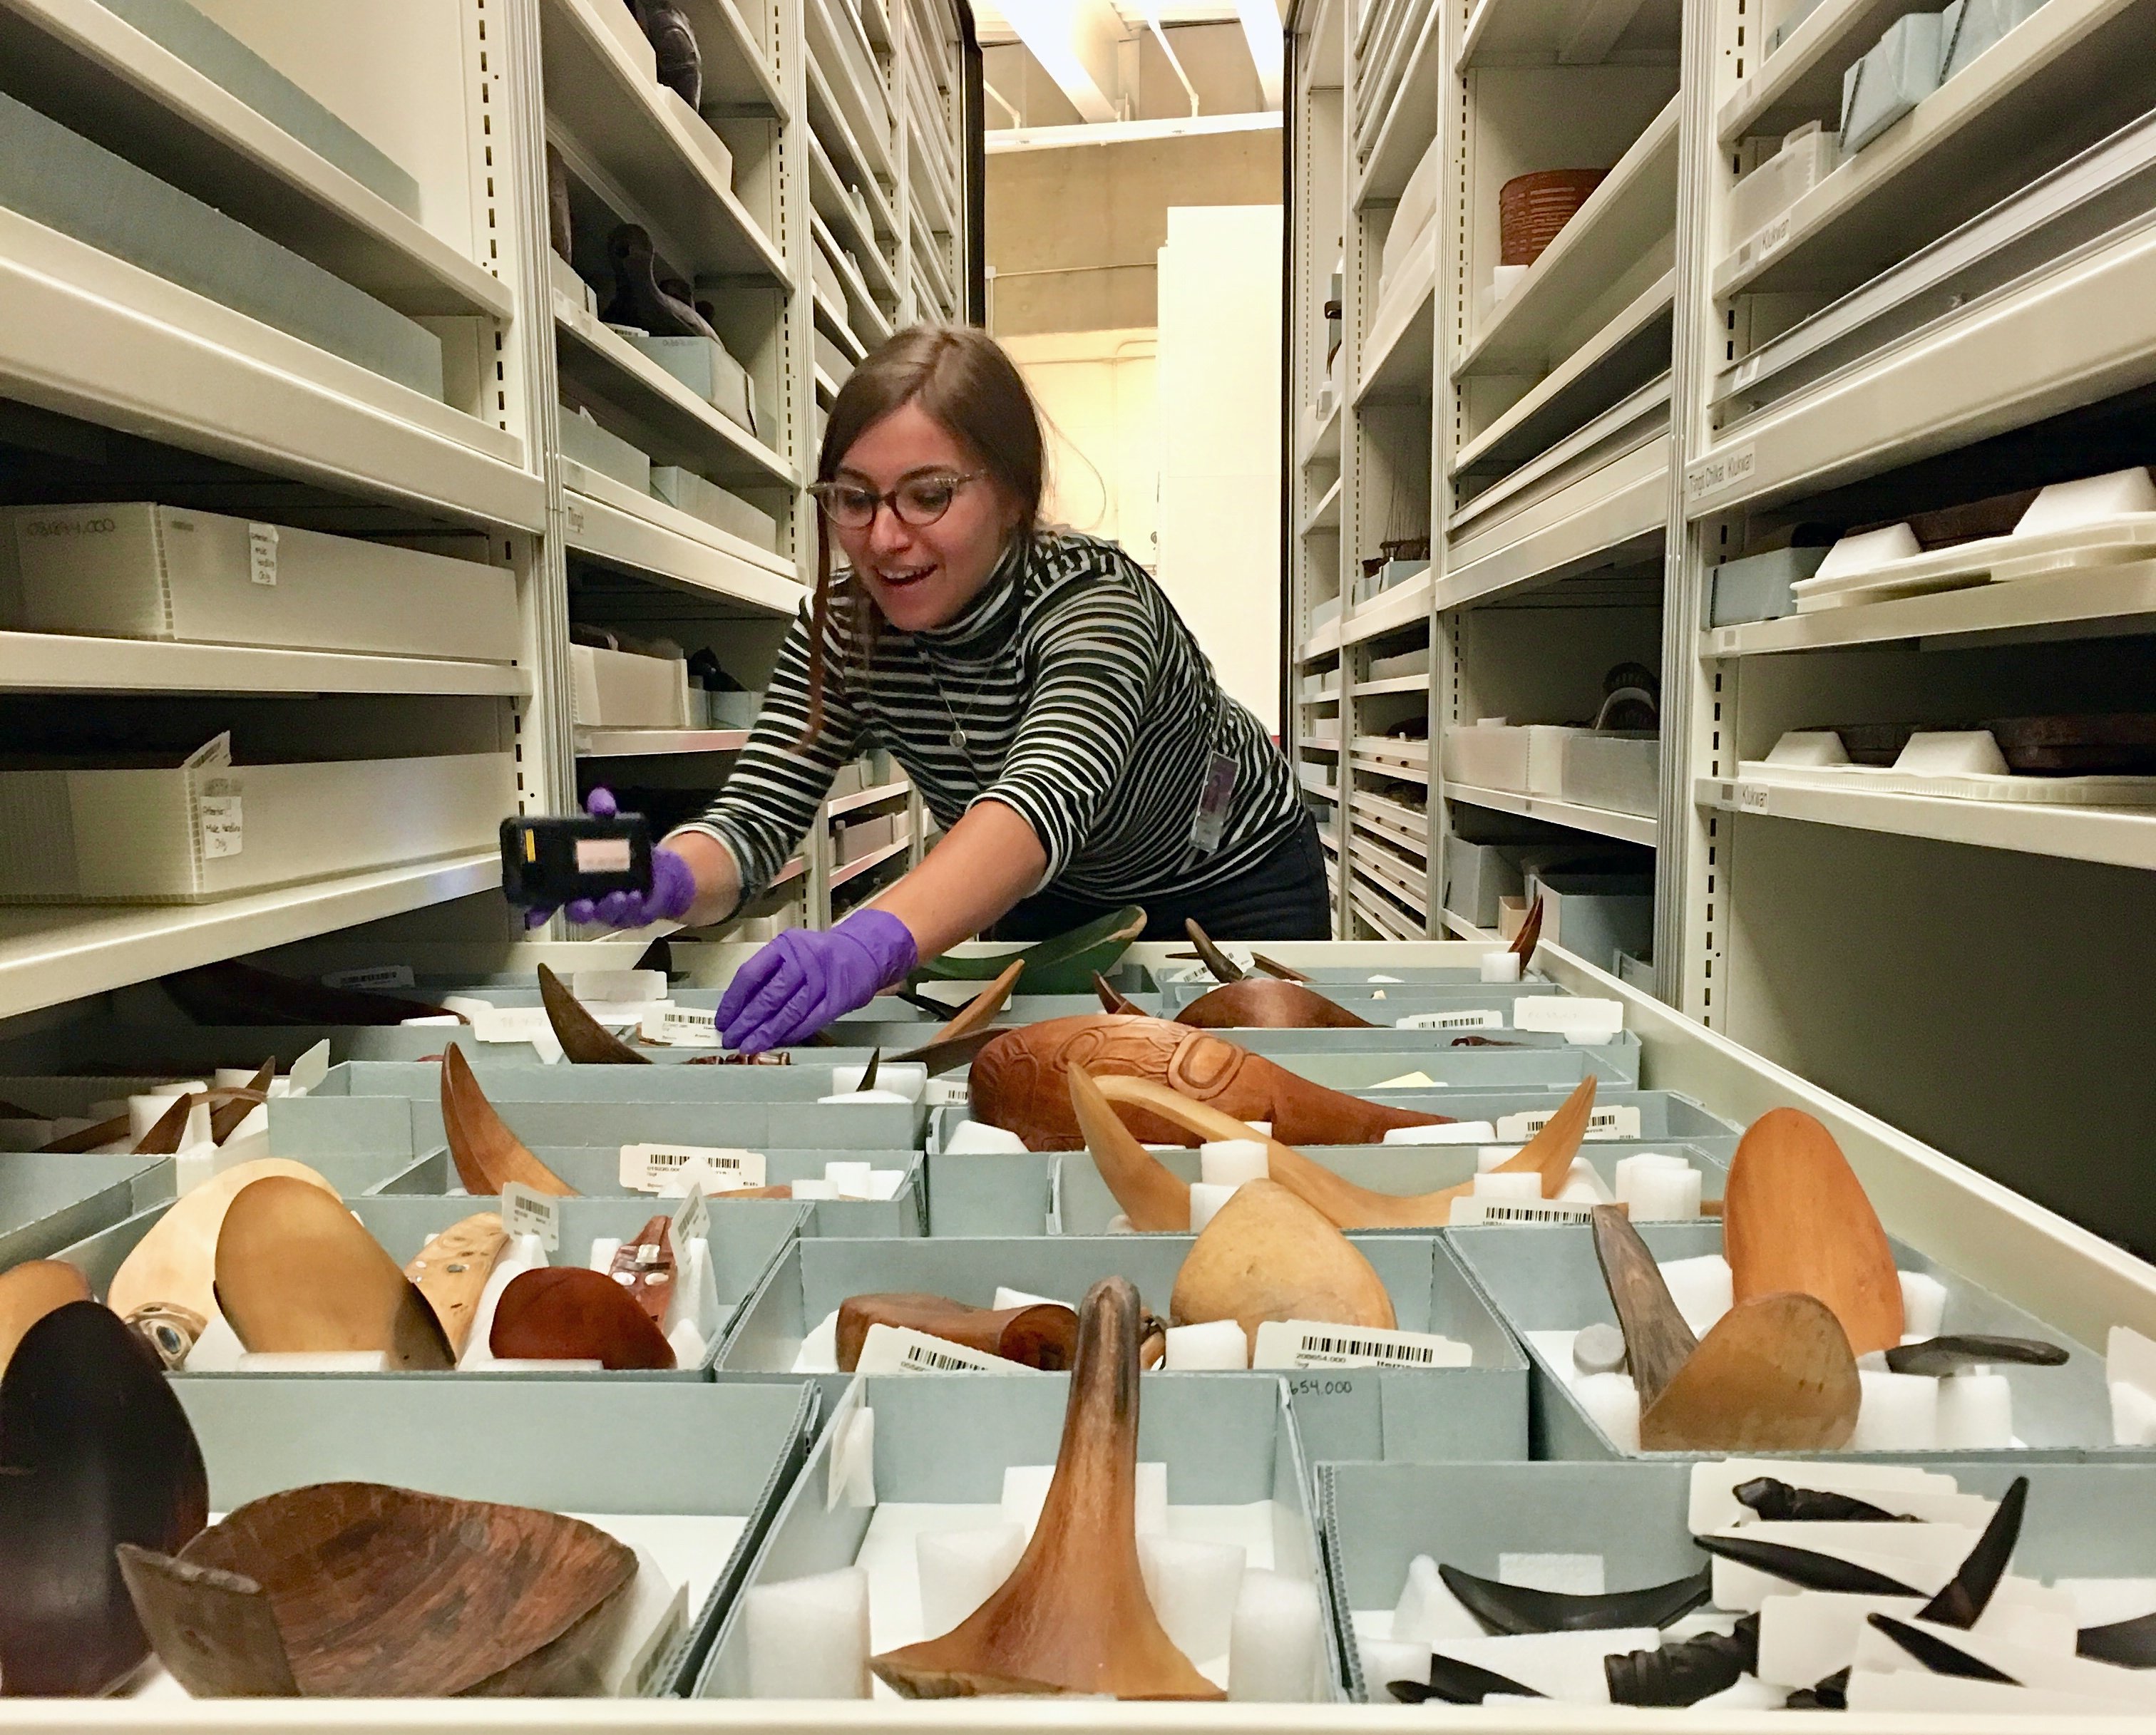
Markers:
point(1366, 1412)
point(2084, 1520)
point(1386, 1003)
point(47, 1202)
point(1226, 1440)
point(685, 1448)
point(1547, 1279)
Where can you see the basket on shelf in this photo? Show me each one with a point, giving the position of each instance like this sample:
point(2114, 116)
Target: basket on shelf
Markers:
point(1531, 209)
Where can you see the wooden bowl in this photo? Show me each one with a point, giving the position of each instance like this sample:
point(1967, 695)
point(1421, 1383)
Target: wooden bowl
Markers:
point(1531, 209)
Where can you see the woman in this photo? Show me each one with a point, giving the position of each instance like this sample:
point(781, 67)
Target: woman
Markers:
point(1041, 692)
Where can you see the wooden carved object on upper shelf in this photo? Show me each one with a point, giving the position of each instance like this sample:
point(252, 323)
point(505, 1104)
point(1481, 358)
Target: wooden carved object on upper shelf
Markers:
point(1019, 1082)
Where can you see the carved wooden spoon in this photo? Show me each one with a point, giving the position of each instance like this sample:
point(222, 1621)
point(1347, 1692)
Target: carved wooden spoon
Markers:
point(1073, 1617)
point(295, 1271)
point(1267, 1255)
point(163, 1138)
point(1268, 1003)
point(1113, 998)
point(583, 1038)
point(487, 1154)
point(645, 1266)
point(567, 1313)
point(175, 1264)
point(1529, 937)
point(1225, 969)
point(1550, 1152)
point(1795, 1217)
point(452, 1269)
point(1041, 1334)
point(27, 1293)
point(1152, 1196)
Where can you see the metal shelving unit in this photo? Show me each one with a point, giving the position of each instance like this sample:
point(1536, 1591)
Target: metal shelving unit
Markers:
point(1959, 310)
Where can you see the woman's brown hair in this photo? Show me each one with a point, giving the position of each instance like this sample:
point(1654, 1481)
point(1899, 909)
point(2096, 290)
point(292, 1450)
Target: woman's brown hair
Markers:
point(959, 375)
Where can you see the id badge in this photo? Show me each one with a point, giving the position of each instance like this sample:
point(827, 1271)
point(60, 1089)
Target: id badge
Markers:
point(1212, 817)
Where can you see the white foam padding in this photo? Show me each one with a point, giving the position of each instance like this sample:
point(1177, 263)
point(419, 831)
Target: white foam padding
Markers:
point(1701, 1287)
point(1612, 1403)
point(1570, 1575)
point(1663, 1194)
point(1194, 1588)
point(1025, 1488)
point(959, 1568)
point(2089, 499)
point(1231, 1161)
point(1896, 1413)
point(1975, 1410)
point(1583, 1181)
point(908, 1078)
point(1952, 752)
point(523, 1254)
point(1873, 1690)
point(1560, 1665)
point(1500, 966)
point(1452, 1132)
point(1385, 1661)
point(1489, 1156)
point(2127, 1690)
point(2104, 1601)
point(878, 1094)
point(1217, 1343)
point(2132, 1416)
point(1205, 1199)
point(218, 1349)
point(1516, 1183)
point(1811, 749)
point(1428, 1613)
point(1276, 1640)
point(808, 1637)
point(1867, 549)
point(851, 1179)
point(978, 1138)
point(1924, 1305)
point(1006, 1297)
point(314, 1361)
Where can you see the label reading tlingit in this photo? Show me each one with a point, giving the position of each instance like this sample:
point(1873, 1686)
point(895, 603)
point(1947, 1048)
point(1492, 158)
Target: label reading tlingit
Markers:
point(526, 1211)
point(657, 1168)
point(1606, 1120)
point(1315, 1343)
point(373, 976)
point(1451, 1021)
point(901, 1349)
point(1475, 1213)
point(262, 554)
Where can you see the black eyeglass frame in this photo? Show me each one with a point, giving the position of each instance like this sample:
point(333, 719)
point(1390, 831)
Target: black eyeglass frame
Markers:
point(825, 491)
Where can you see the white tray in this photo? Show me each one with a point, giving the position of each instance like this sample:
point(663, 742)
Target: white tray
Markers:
point(1995, 560)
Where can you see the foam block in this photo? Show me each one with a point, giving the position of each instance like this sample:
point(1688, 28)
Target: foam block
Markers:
point(1612, 1403)
point(1427, 1613)
point(2064, 506)
point(1025, 1488)
point(959, 1568)
point(2101, 1602)
point(1217, 1343)
point(1389, 1659)
point(1500, 966)
point(808, 1637)
point(1517, 1185)
point(1663, 1194)
point(978, 1138)
point(1489, 1156)
point(1194, 1587)
point(1205, 1199)
point(1924, 1305)
point(1231, 1161)
point(1023, 1298)
point(1701, 1289)
point(1975, 1410)
point(1455, 1132)
point(1276, 1640)
point(1896, 1413)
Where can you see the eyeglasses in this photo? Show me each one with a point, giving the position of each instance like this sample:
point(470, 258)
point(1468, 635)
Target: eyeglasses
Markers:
point(918, 501)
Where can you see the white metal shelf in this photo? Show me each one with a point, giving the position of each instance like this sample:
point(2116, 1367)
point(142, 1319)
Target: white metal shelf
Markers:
point(867, 797)
point(844, 220)
point(1398, 771)
point(1624, 220)
point(1397, 361)
point(1567, 32)
point(92, 336)
point(1391, 684)
point(873, 178)
point(1801, 80)
point(617, 117)
point(1325, 515)
point(1406, 605)
point(1324, 447)
point(51, 953)
point(65, 663)
point(1410, 122)
point(1376, 826)
point(1616, 512)
point(647, 743)
point(834, 88)
point(736, 76)
point(96, 74)
point(851, 870)
point(832, 318)
point(1466, 930)
point(690, 431)
point(2069, 601)
point(1631, 828)
point(607, 522)
point(2125, 838)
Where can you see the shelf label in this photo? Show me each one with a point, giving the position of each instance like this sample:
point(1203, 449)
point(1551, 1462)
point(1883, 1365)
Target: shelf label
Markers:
point(1771, 238)
point(373, 976)
point(660, 1168)
point(901, 1349)
point(262, 554)
point(526, 1211)
point(1715, 473)
point(1314, 1344)
point(1749, 797)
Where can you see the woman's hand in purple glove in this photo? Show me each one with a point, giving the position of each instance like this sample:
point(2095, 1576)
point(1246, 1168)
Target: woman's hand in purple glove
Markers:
point(807, 977)
point(673, 887)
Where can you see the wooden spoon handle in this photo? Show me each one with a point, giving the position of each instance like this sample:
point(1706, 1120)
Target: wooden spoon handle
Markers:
point(1657, 1341)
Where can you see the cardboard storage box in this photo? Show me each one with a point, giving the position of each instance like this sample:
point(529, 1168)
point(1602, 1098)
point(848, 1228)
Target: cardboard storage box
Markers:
point(1546, 1284)
point(688, 1473)
point(705, 369)
point(1475, 1412)
point(623, 689)
point(594, 447)
point(1757, 586)
point(1526, 759)
point(715, 506)
point(182, 833)
point(135, 570)
point(1475, 876)
point(1236, 1472)
point(1596, 915)
point(833, 359)
point(47, 1202)
point(1619, 770)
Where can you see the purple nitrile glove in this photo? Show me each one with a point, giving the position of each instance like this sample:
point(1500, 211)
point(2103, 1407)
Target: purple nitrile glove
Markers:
point(808, 976)
point(673, 886)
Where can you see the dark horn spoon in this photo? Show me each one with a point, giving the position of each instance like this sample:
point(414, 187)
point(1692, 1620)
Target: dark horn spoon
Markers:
point(1937, 1355)
point(947, 1056)
point(1684, 1674)
point(1113, 998)
point(1273, 967)
point(583, 1038)
point(1453, 1682)
point(1806, 1568)
point(1961, 1600)
point(1512, 1609)
point(1780, 1503)
point(869, 1072)
point(1224, 969)
point(1936, 1654)
point(2129, 1644)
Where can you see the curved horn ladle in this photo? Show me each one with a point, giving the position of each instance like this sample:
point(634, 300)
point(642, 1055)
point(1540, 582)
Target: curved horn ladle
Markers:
point(487, 1154)
point(583, 1038)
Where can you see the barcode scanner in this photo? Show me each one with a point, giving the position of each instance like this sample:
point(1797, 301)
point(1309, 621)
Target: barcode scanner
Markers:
point(547, 863)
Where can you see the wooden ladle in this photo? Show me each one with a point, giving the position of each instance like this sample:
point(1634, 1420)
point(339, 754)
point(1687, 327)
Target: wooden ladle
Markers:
point(1152, 1196)
point(1550, 1152)
point(452, 1269)
point(1018, 1083)
point(1267, 1255)
point(295, 1272)
point(487, 1154)
point(959, 1040)
point(1041, 1334)
point(1775, 1374)
point(1113, 998)
point(1795, 1217)
point(1529, 937)
point(1074, 1616)
point(359, 1590)
point(567, 1313)
point(1225, 969)
point(583, 1038)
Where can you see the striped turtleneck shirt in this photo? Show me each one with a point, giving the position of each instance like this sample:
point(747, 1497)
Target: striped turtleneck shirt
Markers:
point(1069, 690)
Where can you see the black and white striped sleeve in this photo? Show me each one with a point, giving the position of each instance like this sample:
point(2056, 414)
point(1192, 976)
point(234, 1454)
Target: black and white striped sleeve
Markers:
point(1093, 673)
point(770, 799)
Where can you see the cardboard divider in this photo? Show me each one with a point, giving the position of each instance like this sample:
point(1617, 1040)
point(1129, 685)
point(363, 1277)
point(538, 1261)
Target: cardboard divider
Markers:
point(1363, 1411)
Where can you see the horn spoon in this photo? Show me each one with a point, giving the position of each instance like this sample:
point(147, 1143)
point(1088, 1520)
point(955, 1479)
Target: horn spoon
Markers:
point(1685, 1672)
point(1963, 1598)
point(1936, 1654)
point(163, 1138)
point(1113, 998)
point(1937, 1355)
point(1657, 1340)
point(1453, 1682)
point(487, 1154)
point(1225, 969)
point(224, 1118)
point(583, 1038)
point(1806, 1568)
point(1518, 1608)
point(566, 1313)
point(1775, 1374)
point(1073, 1617)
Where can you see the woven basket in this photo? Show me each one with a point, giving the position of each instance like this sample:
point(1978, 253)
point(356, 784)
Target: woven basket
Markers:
point(1531, 209)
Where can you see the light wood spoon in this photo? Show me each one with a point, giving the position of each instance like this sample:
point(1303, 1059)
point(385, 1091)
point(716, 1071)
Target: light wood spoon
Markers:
point(452, 1269)
point(487, 1154)
point(1152, 1196)
point(1795, 1217)
point(225, 1117)
point(175, 1264)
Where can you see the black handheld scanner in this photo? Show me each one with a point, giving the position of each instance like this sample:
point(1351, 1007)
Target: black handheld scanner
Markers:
point(547, 862)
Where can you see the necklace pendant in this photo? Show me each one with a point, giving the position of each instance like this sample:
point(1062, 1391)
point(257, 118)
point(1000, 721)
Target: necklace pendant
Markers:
point(958, 738)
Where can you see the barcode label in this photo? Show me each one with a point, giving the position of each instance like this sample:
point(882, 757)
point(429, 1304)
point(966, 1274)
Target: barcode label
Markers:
point(1474, 1213)
point(1610, 1121)
point(681, 1026)
point(1314, 1344)
point(375, 976)
point(526, 1211)
point(1451, 1021)
point(660, 1168)
point(901, 1349)
point(946, 1092)
point(692, 1221)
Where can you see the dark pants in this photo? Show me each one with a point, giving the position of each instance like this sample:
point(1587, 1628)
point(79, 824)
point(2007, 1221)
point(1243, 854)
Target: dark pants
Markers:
point(1281, 897)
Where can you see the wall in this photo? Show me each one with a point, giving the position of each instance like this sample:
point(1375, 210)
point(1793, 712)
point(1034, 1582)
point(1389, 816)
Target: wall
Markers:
point(1096, 389)
point(1220, 440)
